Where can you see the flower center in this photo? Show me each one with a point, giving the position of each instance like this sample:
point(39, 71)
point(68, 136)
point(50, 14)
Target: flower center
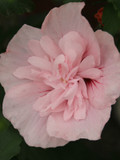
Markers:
point(63, 80)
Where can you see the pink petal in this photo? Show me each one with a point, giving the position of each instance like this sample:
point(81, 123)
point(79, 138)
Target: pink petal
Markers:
point(19, 43)
point(73, 46)
point(82, 89)
point(29, 123)
point(68, 18)
point(27, 72)
point(63, 70)
point(92, 73)
point(24, 89)
point(17, 55)
point(41, 104)
point(68, 113)
point(80, 110)
point(71, 91)
point(40, 63)
point(49, 46)
point(8, 64)
point(104, 92)
point(35, 48)
point(57, 102)
point(72, 73)
point(88, 62)
point(59, 59)
point(80, 113)
point(62, 20)
point(48, 101)
point(109, 52)
point(71, 130)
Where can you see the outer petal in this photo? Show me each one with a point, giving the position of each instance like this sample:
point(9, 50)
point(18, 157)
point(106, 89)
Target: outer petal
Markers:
point(109, 52)
point(8, 64)
point(19, 43)
point(104, 92)
point(71, 130)
point(29, 123)
point(27, 72)
point(36, 48)
point(17, 55)
point(68, 18)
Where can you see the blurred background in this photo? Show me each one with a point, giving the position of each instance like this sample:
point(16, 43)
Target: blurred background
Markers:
point(101, 14)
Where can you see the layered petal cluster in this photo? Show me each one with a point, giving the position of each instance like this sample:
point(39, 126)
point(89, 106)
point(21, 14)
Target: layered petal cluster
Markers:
point(61, 80)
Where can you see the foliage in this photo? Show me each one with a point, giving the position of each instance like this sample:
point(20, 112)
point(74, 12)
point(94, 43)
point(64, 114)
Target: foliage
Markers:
point(10, 7)
point(9, 144)
point(111, 20)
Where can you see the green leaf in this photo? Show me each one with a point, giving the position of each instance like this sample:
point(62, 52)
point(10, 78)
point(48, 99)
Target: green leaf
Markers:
point(116, 3)
point(110, 19)
point(11, 7)
point(9, 144)
point(4, 123)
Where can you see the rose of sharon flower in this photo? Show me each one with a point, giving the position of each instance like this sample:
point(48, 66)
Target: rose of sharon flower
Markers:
point(60, 80)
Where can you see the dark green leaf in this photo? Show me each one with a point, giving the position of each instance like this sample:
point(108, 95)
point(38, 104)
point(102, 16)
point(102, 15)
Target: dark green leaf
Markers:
point(11, 7)
point(9, 144)
point(110, 19)
point(4, 123)
point(116, 3)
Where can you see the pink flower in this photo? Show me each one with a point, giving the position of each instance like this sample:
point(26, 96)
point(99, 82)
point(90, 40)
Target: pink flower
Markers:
point(60, 81)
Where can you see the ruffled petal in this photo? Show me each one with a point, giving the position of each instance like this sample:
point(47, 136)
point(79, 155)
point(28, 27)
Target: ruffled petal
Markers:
point(19, 110)
point(71, 130)
point(40, 63)
point(73, 46)
point(27, 72)
point(8, 64)
point(109, 52)
point(36, 48)
point(49, 47)
point(19, 91)
point(47, 101)
point(80, 113)
point(68, 113)
point(92, 73)
point(19, 43)
point(88, 62)
point(105, 90)
point(16, 55)
point(68, 18)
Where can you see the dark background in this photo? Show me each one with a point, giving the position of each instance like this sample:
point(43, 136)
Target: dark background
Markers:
point(13, 14)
